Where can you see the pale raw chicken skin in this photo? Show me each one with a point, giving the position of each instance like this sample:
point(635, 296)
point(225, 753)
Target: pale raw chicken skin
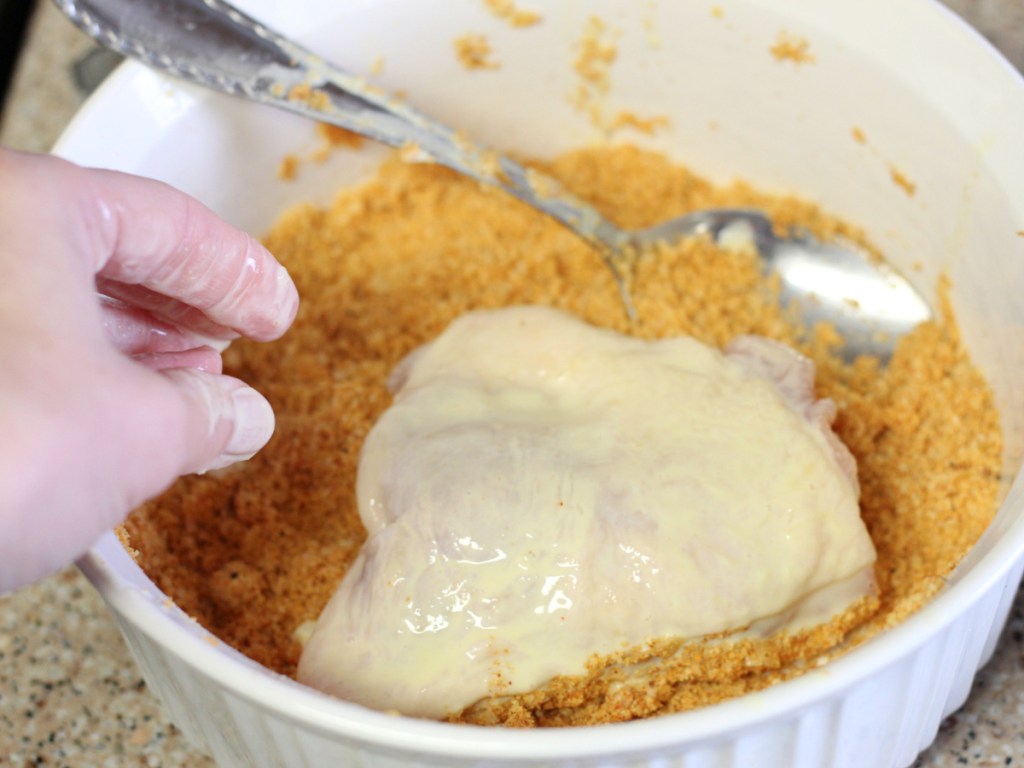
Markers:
point(542, 490)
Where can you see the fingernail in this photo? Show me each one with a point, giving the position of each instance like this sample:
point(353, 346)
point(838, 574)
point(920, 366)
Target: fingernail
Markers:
point(285, 301)
point(253, 427)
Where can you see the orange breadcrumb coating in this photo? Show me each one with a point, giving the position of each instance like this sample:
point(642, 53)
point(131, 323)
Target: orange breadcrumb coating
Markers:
point(595, 53)
point(789, 47)
point(288, 168)
point(515, 16)
point(474, 52)
point(900, 180)
point(335, 136)
point(309, 95)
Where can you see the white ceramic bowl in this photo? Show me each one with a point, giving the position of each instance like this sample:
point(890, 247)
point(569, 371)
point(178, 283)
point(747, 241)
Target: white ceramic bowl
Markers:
point(931, 98)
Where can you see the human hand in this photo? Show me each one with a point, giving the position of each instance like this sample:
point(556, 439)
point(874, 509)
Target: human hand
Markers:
point(105, 401)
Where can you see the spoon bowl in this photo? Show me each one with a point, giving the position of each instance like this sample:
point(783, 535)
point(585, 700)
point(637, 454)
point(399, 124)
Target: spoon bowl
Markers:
point(870, 304)
point(215, 45)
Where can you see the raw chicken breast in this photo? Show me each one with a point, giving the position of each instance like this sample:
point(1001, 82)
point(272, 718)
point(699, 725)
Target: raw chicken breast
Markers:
point(542, 490)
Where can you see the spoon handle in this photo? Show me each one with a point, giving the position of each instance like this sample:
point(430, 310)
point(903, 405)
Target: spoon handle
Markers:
point(213, 44)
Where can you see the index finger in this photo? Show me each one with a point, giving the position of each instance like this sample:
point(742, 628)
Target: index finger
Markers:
point(144, 232)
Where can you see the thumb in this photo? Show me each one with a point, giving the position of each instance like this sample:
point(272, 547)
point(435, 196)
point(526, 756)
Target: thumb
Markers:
point(118, 444)
point(223, 420)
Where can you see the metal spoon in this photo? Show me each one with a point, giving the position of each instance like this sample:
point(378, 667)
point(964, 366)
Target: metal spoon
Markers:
point(213, 44)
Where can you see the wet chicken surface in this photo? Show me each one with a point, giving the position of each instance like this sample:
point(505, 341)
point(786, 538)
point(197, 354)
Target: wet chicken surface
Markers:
point(542, 491)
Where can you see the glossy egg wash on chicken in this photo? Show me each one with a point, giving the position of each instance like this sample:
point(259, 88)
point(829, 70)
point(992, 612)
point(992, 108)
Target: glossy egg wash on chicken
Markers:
point(542, 490)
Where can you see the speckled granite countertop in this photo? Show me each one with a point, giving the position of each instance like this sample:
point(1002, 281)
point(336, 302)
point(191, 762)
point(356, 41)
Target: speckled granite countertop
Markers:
point(70, 693)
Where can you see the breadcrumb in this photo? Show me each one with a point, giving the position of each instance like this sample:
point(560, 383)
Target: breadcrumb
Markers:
point(508, 11)
point(474, 52)
point(788, 47)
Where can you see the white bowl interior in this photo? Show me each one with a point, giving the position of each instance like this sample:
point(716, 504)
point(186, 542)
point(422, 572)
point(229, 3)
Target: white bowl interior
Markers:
point(734, 111)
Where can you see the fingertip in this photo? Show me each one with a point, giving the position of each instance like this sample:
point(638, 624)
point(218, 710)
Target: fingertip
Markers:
point(228, 421)
point(283, 306)
point(253, 427)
